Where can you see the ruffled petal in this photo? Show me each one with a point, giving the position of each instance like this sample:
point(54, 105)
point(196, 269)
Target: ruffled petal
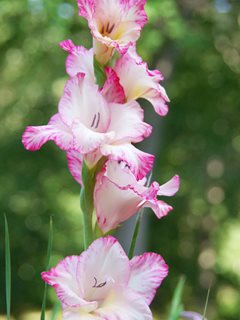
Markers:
point(86, 140)
point(64, 279)
point(139, 162)
point(113, 210)
point(35, 136)
point(86, 8)
point(159, 207)
point(147, 274)
point(104, 265)
point(127, 196)
point(127, 122)
point(82, 102)
point(112, 90)
point(79, 60)
point(170, 188)
point(140, 82)
point(75, 160)
point(78, 313)
point(124, 304)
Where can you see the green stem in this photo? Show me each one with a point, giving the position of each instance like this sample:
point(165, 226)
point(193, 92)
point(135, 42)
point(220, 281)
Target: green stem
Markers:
point(86, 199)
point(135, 234)
point(137, 225)
point(206, 303)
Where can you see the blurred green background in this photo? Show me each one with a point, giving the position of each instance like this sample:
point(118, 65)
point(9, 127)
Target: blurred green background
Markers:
point(196, 45)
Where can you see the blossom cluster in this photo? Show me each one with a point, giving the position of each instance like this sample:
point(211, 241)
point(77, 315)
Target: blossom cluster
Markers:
point(98, 122)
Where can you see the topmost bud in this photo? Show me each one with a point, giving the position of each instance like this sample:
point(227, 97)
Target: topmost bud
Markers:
point(114, 24)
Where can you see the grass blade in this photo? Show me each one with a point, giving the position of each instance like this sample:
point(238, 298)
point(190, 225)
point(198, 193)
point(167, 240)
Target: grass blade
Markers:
point(206, 303)
point(137, 226)
point(49, 251)
point(7, 269)
point(176, 305)
point(55, 311)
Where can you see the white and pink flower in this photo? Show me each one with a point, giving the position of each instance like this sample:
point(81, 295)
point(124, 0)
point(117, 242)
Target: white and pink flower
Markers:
point(80, 60)
point(140, 82)
point(118, 195)
point(114, 24)
point(102, 283)
point(88, 124)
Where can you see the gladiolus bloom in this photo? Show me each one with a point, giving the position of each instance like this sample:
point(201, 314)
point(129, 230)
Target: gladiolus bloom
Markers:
point(102, 283)
point(140, 82)
point(87, 123)
point(127, 195)
point(114, 24)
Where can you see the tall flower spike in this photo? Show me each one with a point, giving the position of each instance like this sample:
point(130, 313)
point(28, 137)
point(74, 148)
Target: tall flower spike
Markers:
point(102, 283)
point(140, 82)
point(114, 24)
point(127, 195)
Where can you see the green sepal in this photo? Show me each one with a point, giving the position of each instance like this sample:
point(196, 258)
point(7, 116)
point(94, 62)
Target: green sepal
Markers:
point(86, 199)
point(99, 73)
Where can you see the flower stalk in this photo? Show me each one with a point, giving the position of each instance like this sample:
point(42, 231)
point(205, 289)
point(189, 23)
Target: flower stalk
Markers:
point(86, 200)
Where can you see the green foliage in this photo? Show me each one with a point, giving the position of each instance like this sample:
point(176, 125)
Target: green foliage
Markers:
point(99, 74)
point(7, 269)
point(55, 311)
point(176, 305)
point(206, 304)
point(49, 253)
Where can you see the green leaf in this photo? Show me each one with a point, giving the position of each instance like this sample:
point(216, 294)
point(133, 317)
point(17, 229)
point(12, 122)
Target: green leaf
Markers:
point(49, 251)
point(55, 311)
point(99, 73)
point(176, 305)
point(7, 269)
point(206, 303)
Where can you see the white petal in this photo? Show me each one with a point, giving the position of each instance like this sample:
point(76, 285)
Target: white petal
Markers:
point(35, 136)
point(77, 313)
point(64, 278)
point(147, 274)
point(104, 265)
point(159, 207)
point(86, 140)
point(170, 187)
point(79, 60)
point(75, 159)
point(124, 304)
point(139, 162)
point(83, 102)
point(127, 123)
point(140, 82)
point(113, 210)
